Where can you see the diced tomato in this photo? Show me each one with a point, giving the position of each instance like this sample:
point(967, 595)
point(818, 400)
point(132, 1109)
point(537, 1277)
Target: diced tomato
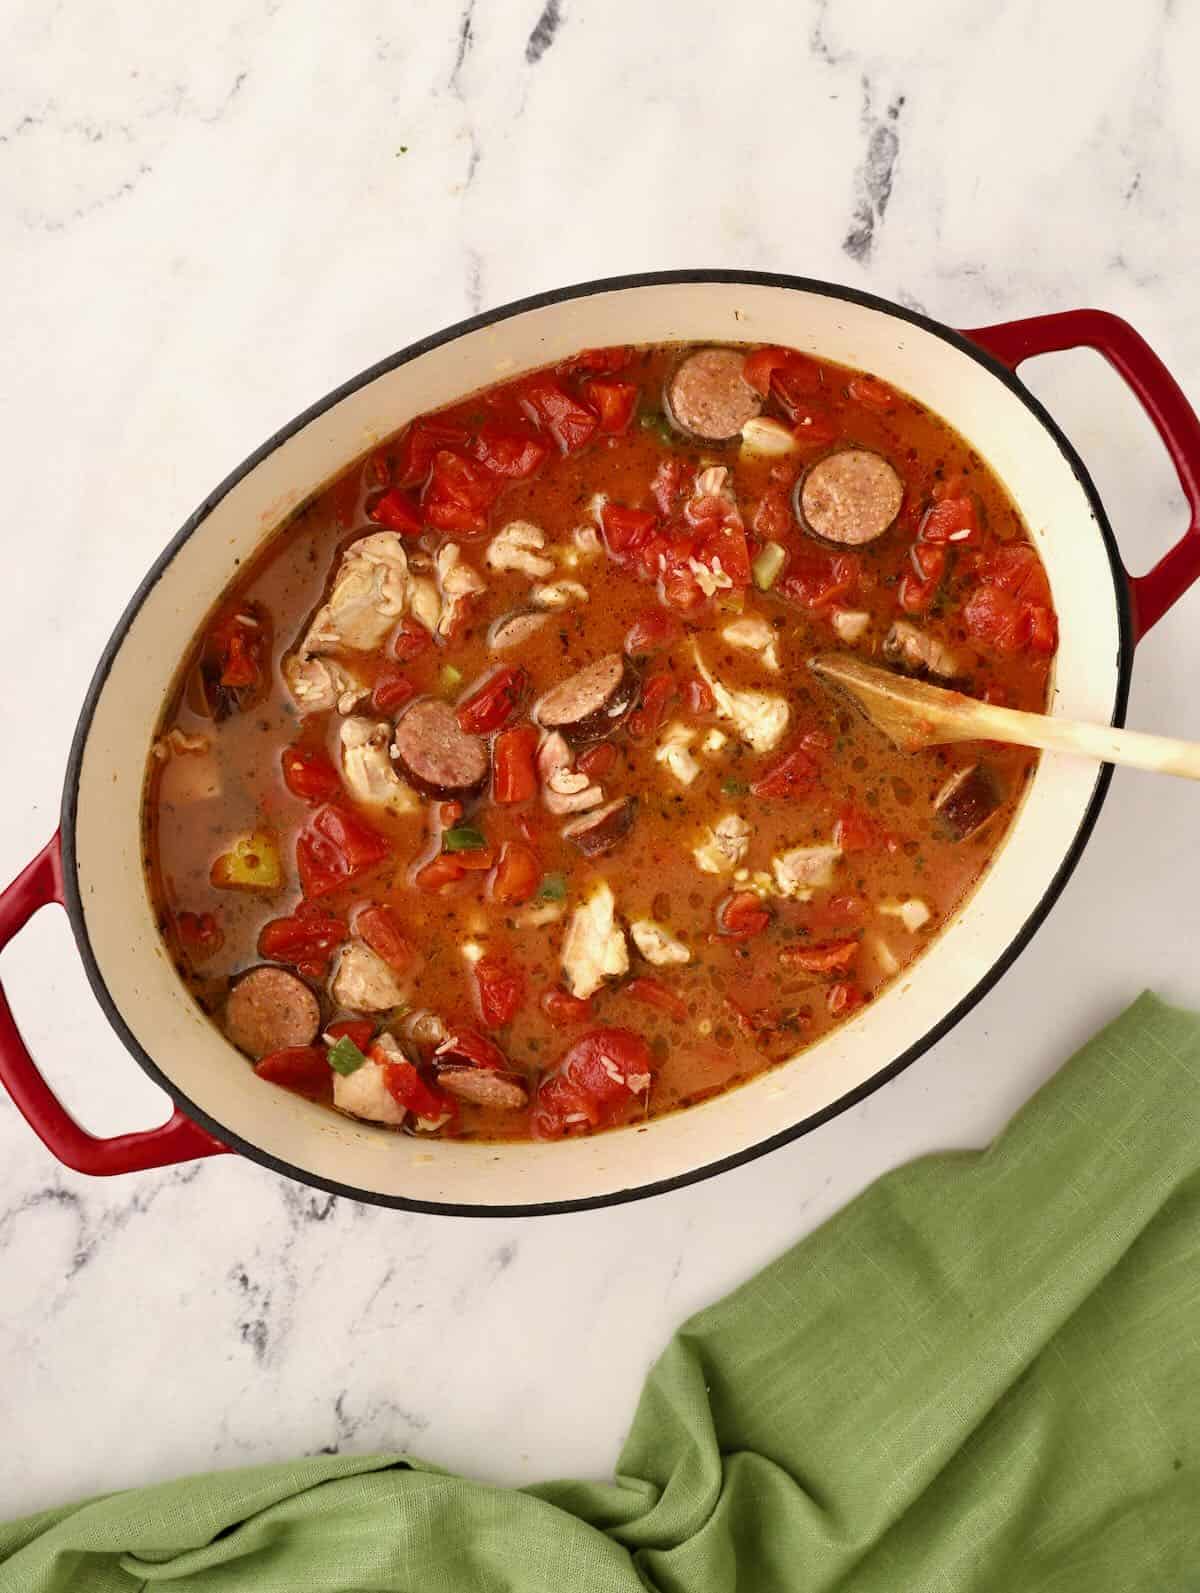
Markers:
point(306, 940)
point(518, 874)
point(199, 934)
point(856, 831)
point(842, 999)
point(381, 931)
point(920, 585)
point(596, 761)
point(797, 383)
point(478, 860)
point(514, 775)
point(760, 366)
point(724, 548)
point(511, 454)
point(420, 443)
point(398, 511)
point(671, 479)
point(236, 643)
point(299, 1068)
point(501, 989)
point(1042, 624)
point(741, 915)
point(335, 847)
point(604, 1070)
point(953, 520)
point(831, 956)
point(614, 403)
point(459, 494)
point(411, 640)
point(308, 774)
point(358, 1030)
point(657, 692)
point(409, 1090)
point(871, 392)
point(445, 869)
point(813, 426)
point(548, 404)
point(487, 708)
point(392, 688)
point(790, 776)
point(697, 693)
point(653, 993)
point(773, 519)
point(600, 361)
point(626, 530)
point(651, 631)
point(1011, 608)
point(449, 814)
point(464, 1044)
point(816, 580)
point(678, 582)
point(563, 1009)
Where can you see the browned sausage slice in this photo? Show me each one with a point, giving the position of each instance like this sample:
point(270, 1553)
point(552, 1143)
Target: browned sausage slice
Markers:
point(484, 1087)
point(435, 755)
point(709, 397)
point(967, 801)
point(599, 831)
point(514, 630)
point(850, 497)
point(593, 702)
point(269, 1009)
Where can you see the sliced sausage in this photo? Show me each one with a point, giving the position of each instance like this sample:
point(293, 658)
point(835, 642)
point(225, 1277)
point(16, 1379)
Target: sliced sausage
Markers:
point(850, 497)
point(709, 397)
point(435, 755)
point(917, 652)
point(484, 1087)
point(599, 831)
point(967, 801)
point(593, 702)
point(514, 630)
point(269, 1009)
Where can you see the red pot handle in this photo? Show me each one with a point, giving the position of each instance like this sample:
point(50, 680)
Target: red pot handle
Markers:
point(1159, 394)
point(176, 1140)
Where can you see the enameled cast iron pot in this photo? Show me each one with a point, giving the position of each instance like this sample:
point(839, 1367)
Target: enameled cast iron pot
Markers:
point(93, 866)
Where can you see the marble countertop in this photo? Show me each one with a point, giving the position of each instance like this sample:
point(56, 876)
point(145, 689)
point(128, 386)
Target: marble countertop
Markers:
point(206, 224)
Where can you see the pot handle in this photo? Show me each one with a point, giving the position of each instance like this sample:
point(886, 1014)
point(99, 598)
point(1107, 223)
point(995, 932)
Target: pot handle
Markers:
point(176, 1140)
point(1159, 394)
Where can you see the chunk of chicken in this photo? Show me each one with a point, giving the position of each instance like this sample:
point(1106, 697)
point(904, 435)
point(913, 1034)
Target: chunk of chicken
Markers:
point(672, 752)
point(191, 772)
point(804, 869)
point(424, 601)
point(558, 594)
point(179, 744)
point(594, 946)
point(724, 845)
point(753, 634)
point(713, 741)
point(518, 546)
point(370, 592)
point(364, 1093)
point(759, 717)
point(914, 649)
point(363, 982)
point(851, 624)
point(318, 685)
point(587, 541)
point(459, 582)
point(564, 788)
point(710, 578)
point(658, 945)
point(368, 770)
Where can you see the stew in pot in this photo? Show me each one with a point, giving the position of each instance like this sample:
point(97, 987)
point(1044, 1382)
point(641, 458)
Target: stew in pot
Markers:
point(496, 800)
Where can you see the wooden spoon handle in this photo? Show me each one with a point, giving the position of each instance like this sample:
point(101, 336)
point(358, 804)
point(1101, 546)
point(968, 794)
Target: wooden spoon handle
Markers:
point(1159, 754)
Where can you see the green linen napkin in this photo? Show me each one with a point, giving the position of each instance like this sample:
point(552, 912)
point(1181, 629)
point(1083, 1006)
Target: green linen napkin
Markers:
point(983, 1374)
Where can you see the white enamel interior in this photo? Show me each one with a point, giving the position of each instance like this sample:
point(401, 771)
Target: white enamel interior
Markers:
point(190, 1051)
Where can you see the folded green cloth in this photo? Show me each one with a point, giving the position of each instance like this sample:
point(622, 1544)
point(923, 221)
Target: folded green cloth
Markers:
point(982, 1375)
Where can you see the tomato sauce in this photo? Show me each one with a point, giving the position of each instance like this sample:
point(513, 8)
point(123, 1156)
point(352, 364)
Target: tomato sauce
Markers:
point(688, 560)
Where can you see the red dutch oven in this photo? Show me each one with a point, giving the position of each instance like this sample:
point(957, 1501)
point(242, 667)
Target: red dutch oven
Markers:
point(92, 866)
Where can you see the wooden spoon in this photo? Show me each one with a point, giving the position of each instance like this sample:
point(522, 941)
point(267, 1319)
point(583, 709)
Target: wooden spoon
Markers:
point(913, 715)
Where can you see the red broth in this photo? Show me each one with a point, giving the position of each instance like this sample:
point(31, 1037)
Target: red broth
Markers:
point(616, 899)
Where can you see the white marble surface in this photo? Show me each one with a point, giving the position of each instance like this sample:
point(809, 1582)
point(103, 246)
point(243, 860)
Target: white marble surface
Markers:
point(208, 217)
